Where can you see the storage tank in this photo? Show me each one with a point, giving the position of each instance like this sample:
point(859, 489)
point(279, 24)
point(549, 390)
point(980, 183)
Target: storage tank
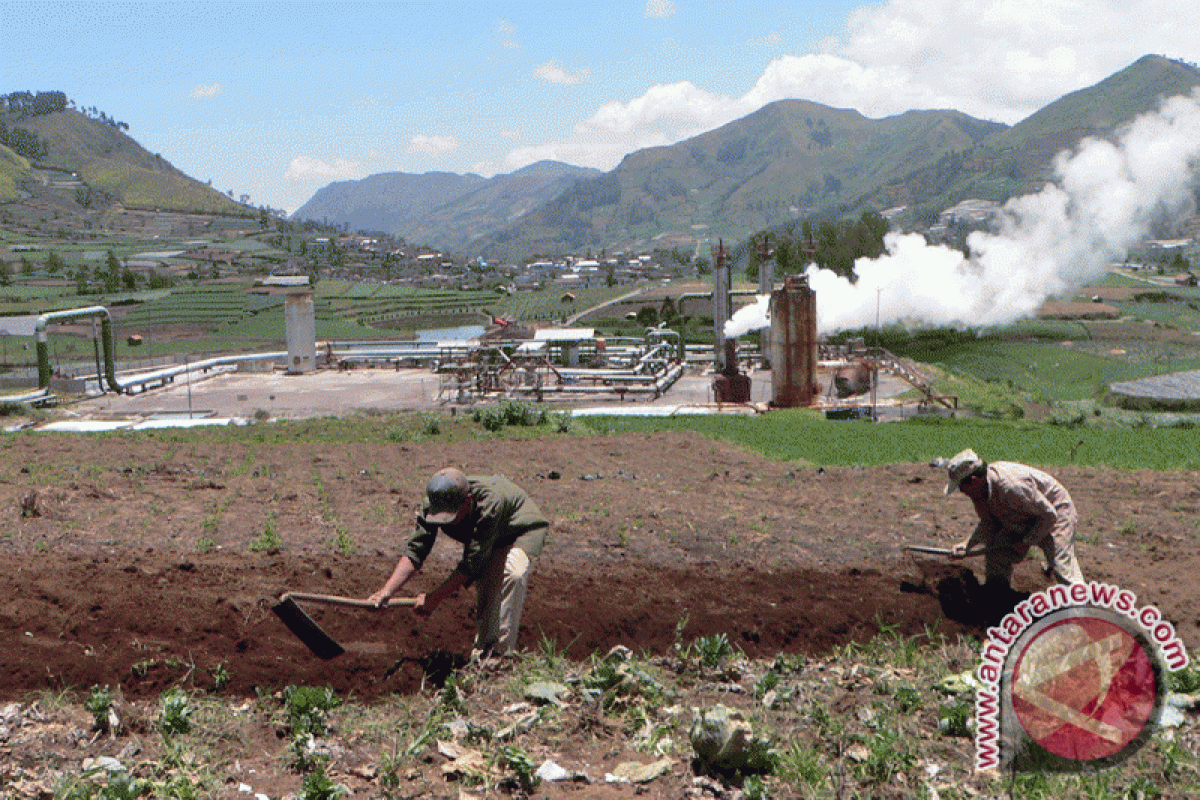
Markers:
point(793, 344)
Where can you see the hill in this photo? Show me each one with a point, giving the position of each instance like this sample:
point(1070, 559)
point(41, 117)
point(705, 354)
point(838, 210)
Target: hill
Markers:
point(117, 168)
point(13, 169)
point(790, 159)
point(1020, 159)
point(440, 208)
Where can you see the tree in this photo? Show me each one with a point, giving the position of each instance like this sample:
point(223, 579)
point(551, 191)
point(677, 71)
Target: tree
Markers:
point(5, 274)
point(111, 276)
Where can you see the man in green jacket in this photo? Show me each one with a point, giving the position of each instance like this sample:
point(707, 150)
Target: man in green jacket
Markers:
point(502, 532)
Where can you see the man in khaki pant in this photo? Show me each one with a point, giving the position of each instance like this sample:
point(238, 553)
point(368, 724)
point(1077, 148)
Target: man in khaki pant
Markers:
point(502, 532)
point(1019, 508)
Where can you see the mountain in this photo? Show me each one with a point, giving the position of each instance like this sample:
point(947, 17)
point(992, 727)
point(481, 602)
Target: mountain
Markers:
point(497, 203)
point(441, 208)
point(789, 159)
point(1020, 159)
point(112, 164)
point(391, 202)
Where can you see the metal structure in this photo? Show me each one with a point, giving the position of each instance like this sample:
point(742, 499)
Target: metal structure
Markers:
point(793, 342)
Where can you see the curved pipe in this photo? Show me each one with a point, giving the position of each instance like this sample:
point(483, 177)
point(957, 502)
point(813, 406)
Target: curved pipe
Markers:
point(106, 340)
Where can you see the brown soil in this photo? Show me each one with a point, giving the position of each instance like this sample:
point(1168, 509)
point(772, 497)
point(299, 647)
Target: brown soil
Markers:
point(134, 561)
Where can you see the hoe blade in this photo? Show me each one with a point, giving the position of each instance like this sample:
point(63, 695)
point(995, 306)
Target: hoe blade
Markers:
point(301, 624)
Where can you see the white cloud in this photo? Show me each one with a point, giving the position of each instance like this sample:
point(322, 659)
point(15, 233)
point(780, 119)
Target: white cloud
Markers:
point(307, 168)
point(660, 9)
point(207, 90)
point(993, 59)
point(554, 72)
point(431, 145)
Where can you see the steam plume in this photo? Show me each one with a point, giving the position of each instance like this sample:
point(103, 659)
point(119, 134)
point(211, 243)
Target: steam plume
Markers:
point(1104, 199)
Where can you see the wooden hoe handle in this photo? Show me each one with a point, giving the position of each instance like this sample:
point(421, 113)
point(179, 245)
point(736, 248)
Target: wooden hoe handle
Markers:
point(345, 601)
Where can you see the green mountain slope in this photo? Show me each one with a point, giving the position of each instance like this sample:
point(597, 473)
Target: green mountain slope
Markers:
point(113, 163)
point(494, 204)
point(1020, 159)
point(790, 159)
point(13, 169)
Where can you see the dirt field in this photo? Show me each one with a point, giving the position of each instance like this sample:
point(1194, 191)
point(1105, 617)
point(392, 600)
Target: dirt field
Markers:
point(131, 561)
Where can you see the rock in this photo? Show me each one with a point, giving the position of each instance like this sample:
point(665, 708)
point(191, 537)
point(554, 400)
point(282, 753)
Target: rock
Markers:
point(635, 772)
point(963, 683)
point(106, 763)
point(546, 692)
point(725, 742)
point(551, 772)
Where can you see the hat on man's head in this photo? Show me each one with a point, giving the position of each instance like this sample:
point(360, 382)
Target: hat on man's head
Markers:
point(446, 492)
point(960, 466)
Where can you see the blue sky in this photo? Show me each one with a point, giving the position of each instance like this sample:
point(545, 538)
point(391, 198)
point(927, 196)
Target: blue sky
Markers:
point(275, 100)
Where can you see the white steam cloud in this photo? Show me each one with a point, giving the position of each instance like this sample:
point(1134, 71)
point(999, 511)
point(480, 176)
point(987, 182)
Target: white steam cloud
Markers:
point(1104, 199)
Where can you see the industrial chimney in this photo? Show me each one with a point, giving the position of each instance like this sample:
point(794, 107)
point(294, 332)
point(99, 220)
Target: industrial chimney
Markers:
point(793, 344)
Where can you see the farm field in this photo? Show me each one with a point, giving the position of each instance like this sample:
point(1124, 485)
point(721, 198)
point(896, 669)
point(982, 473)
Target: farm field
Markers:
point(145, 561)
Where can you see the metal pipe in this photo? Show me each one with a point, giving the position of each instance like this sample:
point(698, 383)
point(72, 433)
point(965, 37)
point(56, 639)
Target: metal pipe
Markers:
point(43, 351)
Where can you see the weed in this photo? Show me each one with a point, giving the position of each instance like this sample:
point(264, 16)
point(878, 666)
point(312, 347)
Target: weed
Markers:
point(269, 541)
point(220, 676)
point(99, 703)
point(342, 543)
point(714, 650)
point(887, 754)
point(907, 699)
point(318, 786)
point(523, 772)
point(307, 708)
point(954, 718)
point(432, 427)
point(1185, 681)
point(176, 714)
point(1128, 528)
point(798, 762)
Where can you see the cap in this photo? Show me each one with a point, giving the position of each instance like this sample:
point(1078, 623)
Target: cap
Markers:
point(960, 466)
point(445, 494)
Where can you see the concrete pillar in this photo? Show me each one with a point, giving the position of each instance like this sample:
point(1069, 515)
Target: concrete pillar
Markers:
point(300, 324)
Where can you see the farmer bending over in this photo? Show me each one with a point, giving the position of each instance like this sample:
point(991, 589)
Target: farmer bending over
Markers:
point(502, 531)
point(1019, 507)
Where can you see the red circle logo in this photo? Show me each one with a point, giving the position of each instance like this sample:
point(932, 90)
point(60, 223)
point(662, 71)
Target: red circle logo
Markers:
point(1084, 688)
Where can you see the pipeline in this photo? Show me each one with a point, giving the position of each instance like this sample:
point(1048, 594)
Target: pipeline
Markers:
point(43, 351)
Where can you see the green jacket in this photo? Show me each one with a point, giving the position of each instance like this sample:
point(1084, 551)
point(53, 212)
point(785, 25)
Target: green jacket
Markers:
point(502, 514)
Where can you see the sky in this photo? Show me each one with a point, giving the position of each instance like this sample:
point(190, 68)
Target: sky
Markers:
point(276, 100)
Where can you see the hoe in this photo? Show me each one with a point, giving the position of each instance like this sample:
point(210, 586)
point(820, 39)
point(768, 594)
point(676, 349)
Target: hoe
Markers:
point(321, 643)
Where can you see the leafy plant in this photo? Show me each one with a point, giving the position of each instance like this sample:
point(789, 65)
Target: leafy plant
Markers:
point(269, 541)
point(176, 714)
point(98, 703)
point(317, 785)
point(220, 676)
point(307, 708)
point(714, 650)
point(907, 699)
point(515, 760)
point(954, 718)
